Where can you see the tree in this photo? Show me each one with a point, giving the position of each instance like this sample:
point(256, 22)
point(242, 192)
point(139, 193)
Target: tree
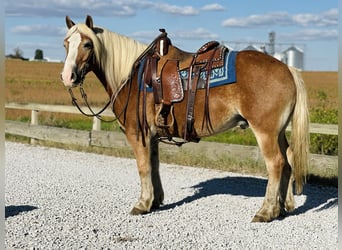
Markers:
point(38, 55)
point(18, 53)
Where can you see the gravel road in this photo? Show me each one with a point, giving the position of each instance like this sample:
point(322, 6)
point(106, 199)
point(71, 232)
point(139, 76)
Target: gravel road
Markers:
point(60, 199)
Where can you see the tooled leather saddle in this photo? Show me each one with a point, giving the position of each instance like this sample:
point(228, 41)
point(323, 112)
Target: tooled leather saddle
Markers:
point(161, 73)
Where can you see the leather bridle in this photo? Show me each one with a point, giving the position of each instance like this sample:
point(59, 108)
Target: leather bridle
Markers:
point(85, 98)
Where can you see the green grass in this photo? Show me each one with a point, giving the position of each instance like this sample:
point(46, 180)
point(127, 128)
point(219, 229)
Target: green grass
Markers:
point(234, 136)
point(324, 144)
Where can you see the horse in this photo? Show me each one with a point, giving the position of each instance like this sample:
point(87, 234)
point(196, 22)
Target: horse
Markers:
point(267, 96)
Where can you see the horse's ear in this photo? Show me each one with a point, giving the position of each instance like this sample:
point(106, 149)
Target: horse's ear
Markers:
point(89, 22)
point(69, 22)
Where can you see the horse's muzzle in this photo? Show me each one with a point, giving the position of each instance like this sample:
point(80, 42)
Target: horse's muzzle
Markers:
point(71, 81)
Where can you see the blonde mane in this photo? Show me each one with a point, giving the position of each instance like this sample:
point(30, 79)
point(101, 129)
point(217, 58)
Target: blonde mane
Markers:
point(111, 49)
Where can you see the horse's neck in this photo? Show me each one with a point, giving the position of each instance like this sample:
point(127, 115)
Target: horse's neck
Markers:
point(124, 52)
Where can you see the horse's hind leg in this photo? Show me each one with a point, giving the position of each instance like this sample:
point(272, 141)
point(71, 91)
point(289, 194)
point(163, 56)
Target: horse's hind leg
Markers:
point(268, 143)
point(286, 192)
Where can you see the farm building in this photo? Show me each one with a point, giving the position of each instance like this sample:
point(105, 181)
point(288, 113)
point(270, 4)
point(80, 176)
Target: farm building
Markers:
point(292, 55)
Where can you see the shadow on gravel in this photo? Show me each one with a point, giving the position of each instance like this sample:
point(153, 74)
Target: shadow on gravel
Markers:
point(318, 197)
point(15, 210)
point(246, 186)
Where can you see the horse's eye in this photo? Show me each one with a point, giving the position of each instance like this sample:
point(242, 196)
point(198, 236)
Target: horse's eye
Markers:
point(88, 45)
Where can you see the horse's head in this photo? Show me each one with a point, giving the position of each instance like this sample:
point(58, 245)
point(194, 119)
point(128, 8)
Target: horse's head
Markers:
point(79, 52)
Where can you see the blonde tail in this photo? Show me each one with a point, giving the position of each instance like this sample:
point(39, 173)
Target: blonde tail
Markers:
point(300, 132)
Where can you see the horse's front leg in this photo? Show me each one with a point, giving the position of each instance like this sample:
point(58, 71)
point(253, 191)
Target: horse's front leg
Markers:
point(148, 168)
point(156, 181)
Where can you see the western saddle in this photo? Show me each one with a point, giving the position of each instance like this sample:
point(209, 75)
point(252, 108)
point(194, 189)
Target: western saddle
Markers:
point(161, 72)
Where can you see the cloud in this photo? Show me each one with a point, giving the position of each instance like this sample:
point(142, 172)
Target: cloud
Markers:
point(213, 7)
point(78, 8)
point(310, 35)
point(327, 18)
point(75, 8)
point(280, 18)
point(177, 10)
point(39, 29)
point(324, 19)
point(199, 33)
point(144, 36)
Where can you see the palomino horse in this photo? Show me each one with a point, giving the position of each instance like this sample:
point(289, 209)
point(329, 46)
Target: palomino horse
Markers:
point(266, 96)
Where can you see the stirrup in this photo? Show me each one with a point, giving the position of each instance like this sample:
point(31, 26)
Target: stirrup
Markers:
point(158, 124)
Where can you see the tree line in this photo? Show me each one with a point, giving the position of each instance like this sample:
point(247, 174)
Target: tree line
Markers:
point(19, 54)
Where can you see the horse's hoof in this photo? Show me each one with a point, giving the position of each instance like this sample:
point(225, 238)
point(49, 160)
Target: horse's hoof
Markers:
point(156, 205)
point(137, 211)
point(289, 207)
point(283, 212)
point(258, 218)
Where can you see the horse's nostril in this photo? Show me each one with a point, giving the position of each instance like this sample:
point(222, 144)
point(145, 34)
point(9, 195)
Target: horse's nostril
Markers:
point(73, 76)
point(61, 77)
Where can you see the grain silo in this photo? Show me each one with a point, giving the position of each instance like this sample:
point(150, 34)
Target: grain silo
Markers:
point(253, 47)
point(294, 57)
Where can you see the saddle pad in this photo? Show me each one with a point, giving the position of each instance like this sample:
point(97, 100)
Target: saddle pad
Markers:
point(219, 76)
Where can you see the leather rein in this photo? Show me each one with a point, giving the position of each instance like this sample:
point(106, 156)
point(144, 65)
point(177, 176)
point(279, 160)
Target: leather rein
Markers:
point(85, 98)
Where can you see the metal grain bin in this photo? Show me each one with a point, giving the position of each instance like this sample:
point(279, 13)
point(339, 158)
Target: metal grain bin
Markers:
point(294, 56)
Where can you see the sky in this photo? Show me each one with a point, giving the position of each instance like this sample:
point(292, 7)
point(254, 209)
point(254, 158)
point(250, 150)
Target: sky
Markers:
point(310, 25)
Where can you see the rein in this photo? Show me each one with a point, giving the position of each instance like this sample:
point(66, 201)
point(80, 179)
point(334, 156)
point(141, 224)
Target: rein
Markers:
point(92, 113)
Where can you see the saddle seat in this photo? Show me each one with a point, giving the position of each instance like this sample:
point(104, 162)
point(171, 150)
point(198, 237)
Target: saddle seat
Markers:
point(210, 52)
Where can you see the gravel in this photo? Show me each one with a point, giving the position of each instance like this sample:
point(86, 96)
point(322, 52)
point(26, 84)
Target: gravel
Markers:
point(61, 199)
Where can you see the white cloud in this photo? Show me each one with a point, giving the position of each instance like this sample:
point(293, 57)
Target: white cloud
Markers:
point(327, 18)
point(177, 10)
point(75, 7)
point(280, 18)
point(310, 35)
point(39, 29)
point(144, 36)
point(196, 34)
point(213, 7)
point(78, 8)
